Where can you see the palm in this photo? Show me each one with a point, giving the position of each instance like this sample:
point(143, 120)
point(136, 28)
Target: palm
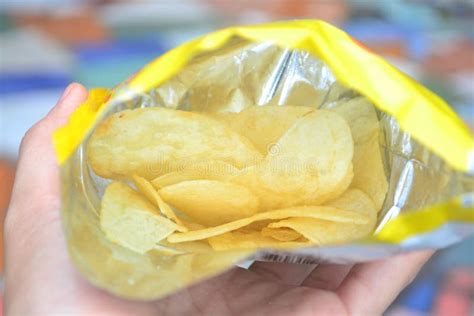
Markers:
point(37, 259)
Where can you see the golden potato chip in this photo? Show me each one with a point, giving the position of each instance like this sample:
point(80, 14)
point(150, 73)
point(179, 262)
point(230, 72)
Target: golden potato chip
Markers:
point(311, 163)
point(206, 170)
point(211, 202)
point(150, 193)
point(369, 175)
point(281, 234)
point(324, 232)
point(176, 177)
point(153, 141)
point(319, 212)
point(356, 201)
point(192, 225)
point(270, 199)
point(344, 185)
point(361, 116)
point(256, 226)
point(254, 240)
point(129, 220)
point(263, 125)
point(227, 118)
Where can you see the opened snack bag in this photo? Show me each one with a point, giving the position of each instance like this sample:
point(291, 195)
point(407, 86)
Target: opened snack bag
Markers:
point(286, 141)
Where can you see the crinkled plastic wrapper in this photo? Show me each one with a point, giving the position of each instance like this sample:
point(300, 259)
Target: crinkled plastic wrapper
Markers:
point(427, 152)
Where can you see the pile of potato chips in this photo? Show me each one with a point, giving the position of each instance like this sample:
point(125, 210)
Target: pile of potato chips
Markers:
point(258, 143)
point(266, 177)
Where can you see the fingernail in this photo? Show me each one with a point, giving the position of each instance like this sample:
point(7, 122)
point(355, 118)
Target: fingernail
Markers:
point(67, 91)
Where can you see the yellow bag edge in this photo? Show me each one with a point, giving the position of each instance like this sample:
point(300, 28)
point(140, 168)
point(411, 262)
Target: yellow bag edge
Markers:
point(419, 111)
point(442, 132)
point(67, 138)
point(412, 223)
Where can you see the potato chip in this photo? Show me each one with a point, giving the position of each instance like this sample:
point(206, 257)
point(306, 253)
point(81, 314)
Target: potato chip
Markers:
point(356, 201)
point(192, 225)
point(150, 193)
point(311, 163)
point(281, 234)
point(369, 175)
point(256, 226)
point(129, 220)
point(269, 199)
point(241, 240)
point(152, 141)
point(263, 125)
point(324, 232)
point(361, 116)
point(176, 177)
point(211, 202)
point(344, 185)
point(319, 212)
point(206, 170)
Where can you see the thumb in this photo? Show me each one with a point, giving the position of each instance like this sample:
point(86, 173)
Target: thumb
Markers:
point(37, 178)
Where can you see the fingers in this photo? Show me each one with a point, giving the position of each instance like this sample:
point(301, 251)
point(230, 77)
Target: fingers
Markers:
point(323, 276)
point(230, 293)
point(286, 273)
point(327, 276)
point(369, 288)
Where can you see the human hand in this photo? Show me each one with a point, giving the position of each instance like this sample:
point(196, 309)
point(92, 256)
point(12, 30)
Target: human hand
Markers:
point(40, 279)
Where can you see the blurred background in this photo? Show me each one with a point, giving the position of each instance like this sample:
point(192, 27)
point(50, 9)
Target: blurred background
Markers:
point(46, 44)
